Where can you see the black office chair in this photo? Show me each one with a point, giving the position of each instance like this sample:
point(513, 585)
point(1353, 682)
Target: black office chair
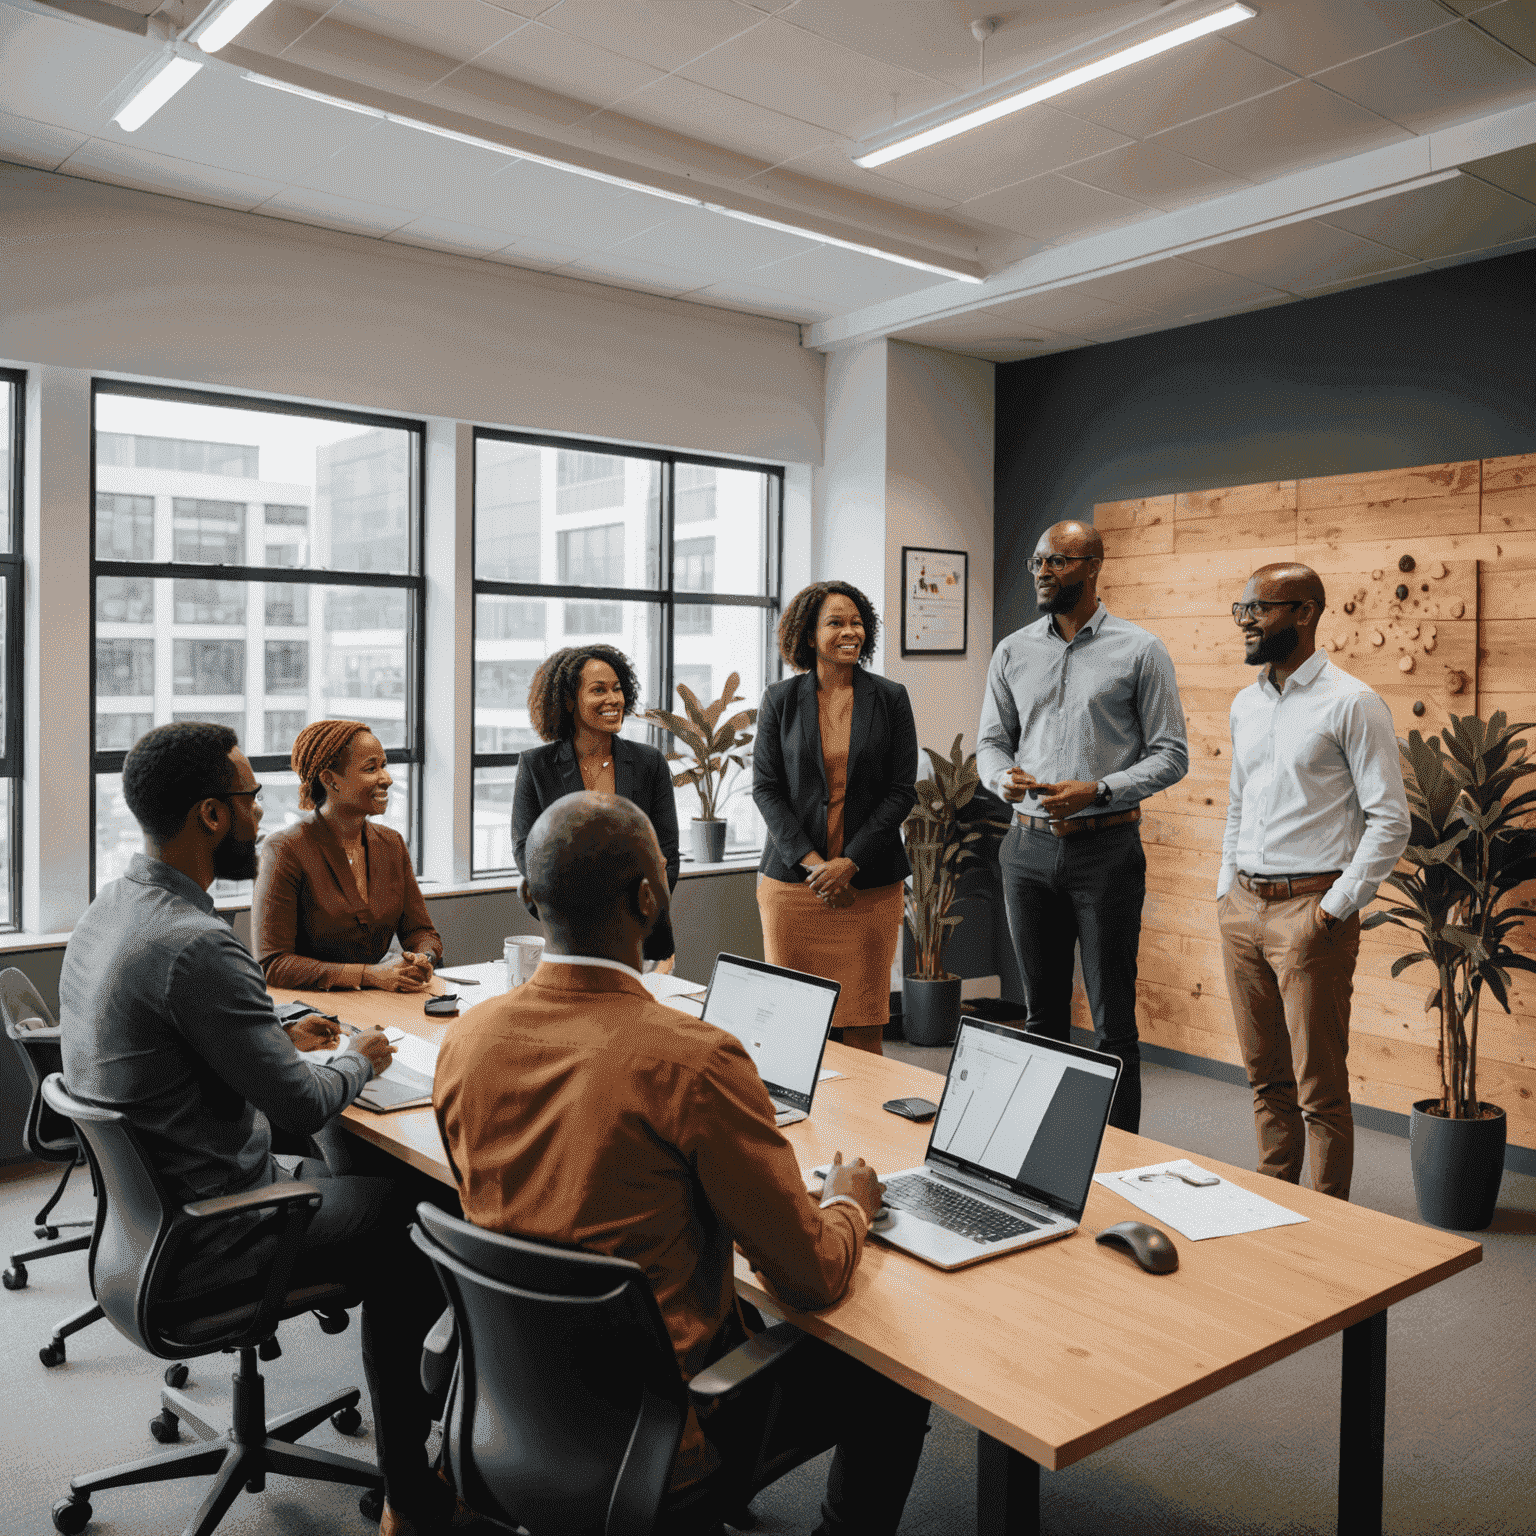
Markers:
point(566, 1405)
point(134, 1250)
point(34, 1033)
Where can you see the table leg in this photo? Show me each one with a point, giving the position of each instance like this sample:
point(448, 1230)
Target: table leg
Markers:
point(1007, 1490)
point(1362, 1427)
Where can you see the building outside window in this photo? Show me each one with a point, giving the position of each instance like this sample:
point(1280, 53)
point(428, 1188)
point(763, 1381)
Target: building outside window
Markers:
point(573, 545)
point(12, 704)
point(198, 497)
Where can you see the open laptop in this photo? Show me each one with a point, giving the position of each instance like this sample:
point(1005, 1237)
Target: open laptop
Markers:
point(781, 1018)
point(1012, 1152)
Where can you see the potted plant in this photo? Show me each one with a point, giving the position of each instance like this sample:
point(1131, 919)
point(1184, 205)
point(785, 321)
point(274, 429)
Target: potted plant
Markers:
point(1469, 849)
point(940, 843)
point(714, 748)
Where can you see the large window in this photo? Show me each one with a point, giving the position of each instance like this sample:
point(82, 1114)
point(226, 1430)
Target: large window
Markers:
point(12, 689)
point(198, 499)
point(573, 545)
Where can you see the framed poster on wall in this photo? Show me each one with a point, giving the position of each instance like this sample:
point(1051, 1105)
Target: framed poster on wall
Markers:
point(934, 602)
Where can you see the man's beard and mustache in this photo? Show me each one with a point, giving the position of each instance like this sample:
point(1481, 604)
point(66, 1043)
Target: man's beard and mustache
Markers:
point(1064, 600)
point(660, 943)
point(235, 859)
point(1275, 646)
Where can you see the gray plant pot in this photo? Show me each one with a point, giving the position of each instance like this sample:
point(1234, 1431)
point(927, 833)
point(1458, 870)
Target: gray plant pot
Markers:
point(708, 841)
point(1458, 1166)
point(930, 1010)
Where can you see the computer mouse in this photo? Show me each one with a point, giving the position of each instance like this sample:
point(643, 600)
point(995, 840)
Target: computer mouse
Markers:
point(1152, 1249)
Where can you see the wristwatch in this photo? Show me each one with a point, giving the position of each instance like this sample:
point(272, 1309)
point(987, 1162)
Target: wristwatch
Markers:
point(1104, 796)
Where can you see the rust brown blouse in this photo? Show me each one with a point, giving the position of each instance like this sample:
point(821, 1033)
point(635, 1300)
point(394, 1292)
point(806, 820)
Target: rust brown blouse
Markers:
point(313, 931)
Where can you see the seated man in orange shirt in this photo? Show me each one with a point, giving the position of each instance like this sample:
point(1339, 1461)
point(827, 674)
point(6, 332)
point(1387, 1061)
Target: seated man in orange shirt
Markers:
point(578, 1110)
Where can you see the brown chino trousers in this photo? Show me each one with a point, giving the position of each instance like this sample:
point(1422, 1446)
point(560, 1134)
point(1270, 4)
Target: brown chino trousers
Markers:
point(1290, 983)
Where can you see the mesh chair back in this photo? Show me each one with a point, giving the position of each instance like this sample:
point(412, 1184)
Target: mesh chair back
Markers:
point(34, 1033)
point(568, 1405)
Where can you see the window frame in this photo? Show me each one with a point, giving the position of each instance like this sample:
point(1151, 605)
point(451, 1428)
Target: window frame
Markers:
point(666, 595)
point(13, 575)
point(413, 580)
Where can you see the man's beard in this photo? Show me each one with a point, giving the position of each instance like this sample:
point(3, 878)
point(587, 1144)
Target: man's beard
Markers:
point(235, 859)
point(1275, 646)
point(660, 943)
point(1064, 601)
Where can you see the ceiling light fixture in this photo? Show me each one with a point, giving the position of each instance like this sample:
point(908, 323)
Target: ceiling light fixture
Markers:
point(1017, 100)
point(155, 92)
point(222, 23)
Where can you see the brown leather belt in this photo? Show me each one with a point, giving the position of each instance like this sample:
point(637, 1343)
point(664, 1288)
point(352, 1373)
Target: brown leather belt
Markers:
point(1283, 887)
point(1080, 824)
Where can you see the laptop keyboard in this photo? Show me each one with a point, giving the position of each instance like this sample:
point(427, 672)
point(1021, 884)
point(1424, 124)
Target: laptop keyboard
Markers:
point(955, 1212)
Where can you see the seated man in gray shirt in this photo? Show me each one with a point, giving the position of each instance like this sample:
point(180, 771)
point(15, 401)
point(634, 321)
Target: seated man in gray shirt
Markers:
point(165, 1016)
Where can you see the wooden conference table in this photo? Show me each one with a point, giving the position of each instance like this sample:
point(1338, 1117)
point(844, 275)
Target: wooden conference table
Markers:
point(1058, 1351)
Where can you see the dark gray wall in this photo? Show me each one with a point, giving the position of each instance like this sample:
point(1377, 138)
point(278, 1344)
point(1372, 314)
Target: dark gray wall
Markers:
point(1417, 371)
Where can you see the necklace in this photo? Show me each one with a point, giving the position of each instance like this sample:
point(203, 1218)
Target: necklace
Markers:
point(592, 758)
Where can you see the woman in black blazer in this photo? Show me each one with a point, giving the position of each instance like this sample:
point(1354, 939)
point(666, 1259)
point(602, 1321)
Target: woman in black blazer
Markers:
point(834, 765)
point(578, 702)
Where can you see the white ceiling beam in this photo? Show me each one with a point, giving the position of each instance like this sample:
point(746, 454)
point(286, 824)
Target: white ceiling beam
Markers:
point(1308, 194)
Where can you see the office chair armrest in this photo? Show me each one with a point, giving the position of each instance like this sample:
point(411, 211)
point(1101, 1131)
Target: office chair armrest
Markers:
point(745, 1366)
point(33, 1032)
point(439, 1354)
point(289, 1192)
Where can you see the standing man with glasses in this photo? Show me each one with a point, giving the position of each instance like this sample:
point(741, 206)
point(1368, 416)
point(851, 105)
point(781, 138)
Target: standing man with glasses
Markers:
point(1316, 818)
point(1081, 723)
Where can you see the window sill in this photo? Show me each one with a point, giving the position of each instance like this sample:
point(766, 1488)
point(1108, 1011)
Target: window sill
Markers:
point(733, 865)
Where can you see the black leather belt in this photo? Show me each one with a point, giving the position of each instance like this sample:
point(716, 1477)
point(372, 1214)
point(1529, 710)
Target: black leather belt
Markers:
point(1079, 824)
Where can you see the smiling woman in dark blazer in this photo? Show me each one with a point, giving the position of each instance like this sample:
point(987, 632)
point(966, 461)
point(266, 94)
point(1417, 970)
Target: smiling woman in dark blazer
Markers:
point(834, 766)
point(578, 702)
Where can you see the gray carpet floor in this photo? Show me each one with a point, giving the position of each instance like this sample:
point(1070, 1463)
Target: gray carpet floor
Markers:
point(1258, 1457)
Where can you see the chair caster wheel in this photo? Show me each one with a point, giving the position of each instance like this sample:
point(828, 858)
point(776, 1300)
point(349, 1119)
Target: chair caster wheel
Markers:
point(332, 1322)
point(176, 1375)
point(72, 1515)
point(346, 1421)
point(165, 1427)
point(269, 1349)
point(45, 1234)
point(15, 1278)
point(371, 1505)
point(52, 1354)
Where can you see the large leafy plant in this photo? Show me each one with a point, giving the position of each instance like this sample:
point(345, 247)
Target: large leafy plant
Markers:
point(715, 750)
point(940, 843)
point(1470, 847)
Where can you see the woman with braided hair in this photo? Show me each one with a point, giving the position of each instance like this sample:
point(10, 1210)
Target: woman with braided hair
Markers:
point(335, 888)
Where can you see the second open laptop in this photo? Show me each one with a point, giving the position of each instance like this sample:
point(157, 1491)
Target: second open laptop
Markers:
point(1012, 1152)
point(781, 1018)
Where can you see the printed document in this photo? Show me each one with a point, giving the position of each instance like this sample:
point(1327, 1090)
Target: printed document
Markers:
point(1222, 1209)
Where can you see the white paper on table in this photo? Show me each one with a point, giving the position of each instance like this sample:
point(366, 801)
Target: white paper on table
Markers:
point(827, 1072)
point(1219, 1210)
point(664, 987)
point(409, 1050)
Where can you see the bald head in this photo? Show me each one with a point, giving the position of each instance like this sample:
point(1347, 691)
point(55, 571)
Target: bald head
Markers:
point(1289, 582)
point(584, 858)
point(1071, 538)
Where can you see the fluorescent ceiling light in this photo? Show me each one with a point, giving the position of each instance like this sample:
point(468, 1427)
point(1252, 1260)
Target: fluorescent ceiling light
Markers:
point(320, 96)
point(1055, 87)
point(228, 23)
point(155, 92)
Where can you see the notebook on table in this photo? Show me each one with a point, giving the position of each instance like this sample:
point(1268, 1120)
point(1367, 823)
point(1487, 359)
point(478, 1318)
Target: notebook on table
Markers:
point(781, 1018)
point(1011, 1156)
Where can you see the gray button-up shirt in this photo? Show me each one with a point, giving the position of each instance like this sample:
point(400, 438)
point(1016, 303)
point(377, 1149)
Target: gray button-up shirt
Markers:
point(164, 1014)
point(1102, 706)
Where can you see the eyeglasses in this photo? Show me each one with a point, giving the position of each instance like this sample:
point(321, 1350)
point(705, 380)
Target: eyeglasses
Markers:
point(1242, 612)
point(1056, 563)
point(234, 794)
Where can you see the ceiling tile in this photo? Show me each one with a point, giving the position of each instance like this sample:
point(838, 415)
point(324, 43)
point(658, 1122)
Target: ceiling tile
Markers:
point(24, 142)
point(405, 168)
point(845, 278)
point(525, 8)
point(657, 32)
point(645, 276)
point(795, 72)
point(1286, 130)
point(1492, 253)
point(1301, 257)
point(457, 29)
point(334, 212)
point(538, 255)
point(1444, 76)
point(556, 61)
point(352, 51)
point(1066, 311)
point(773, 302)
point(701, 112)
point(712, 244)
point(1053, 208)
point(1463, 214)
point(66, 75)
point(1308, 35)
point(498, 98)
point(448, 235)
point(1514, 24)
point(1515, 171)
point(1029, 143)
point(1174, 87)
point(1176, 287)
point(132, 166)
point(829, 164)
point(1152, 175)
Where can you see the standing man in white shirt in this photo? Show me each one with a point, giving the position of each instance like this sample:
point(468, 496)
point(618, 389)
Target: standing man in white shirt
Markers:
point(1316, 818)
point(1082, 716)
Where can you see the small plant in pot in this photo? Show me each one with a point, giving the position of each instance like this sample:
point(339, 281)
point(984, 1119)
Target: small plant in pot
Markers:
point(715, 757)
point(1470, 848)
point(940, 844)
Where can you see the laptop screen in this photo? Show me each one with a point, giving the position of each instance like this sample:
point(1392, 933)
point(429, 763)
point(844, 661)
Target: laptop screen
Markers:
point(781, 1018)
point(1024, 1112)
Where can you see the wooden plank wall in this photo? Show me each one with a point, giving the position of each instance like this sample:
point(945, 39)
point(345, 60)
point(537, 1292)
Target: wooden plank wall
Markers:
point(1463, 637)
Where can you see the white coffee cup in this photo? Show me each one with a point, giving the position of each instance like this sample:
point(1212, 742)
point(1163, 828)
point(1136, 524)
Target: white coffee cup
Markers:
point(521, 952)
